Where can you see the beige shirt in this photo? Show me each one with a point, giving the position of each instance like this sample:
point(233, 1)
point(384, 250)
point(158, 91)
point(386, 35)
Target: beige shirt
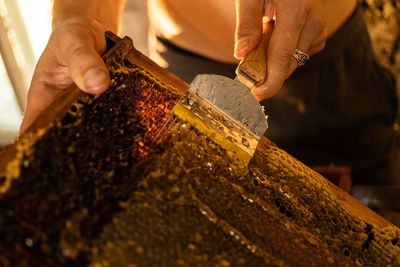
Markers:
point(207, 27)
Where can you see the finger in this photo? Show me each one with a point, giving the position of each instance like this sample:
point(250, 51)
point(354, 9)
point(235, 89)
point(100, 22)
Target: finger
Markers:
point(248, 26)
point(284, 39)
point(81, 52)
point(311, 41)
point(312, 50)
point(304, 46)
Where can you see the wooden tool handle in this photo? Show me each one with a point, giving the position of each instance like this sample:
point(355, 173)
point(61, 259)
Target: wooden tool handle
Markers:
point(254, 64)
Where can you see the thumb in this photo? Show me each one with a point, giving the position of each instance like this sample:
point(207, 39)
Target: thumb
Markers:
point(248, 26)
point(81, 51)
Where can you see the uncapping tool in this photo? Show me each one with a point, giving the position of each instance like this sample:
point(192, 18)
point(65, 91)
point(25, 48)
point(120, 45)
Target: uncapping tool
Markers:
point(225, 109)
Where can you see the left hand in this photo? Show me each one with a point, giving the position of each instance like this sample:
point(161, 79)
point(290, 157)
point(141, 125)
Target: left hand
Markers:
point(72, 55)
point(298, 24)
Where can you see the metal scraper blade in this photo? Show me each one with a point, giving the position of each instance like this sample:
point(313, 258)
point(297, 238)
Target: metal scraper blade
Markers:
point(226, 106)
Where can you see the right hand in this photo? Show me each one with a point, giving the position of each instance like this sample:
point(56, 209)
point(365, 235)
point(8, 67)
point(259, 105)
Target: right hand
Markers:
point(299, 24)
point(72, 55)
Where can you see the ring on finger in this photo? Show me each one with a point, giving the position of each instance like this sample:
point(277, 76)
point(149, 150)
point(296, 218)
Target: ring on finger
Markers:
point(301, 57)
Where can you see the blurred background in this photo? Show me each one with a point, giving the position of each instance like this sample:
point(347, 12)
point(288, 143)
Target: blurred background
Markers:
point(25, 28)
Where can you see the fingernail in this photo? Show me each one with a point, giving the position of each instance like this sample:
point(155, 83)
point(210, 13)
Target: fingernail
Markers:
point(95, 79)
point(241, 48)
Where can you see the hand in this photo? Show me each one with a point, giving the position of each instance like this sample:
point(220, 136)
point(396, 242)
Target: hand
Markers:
point(298, 24)
point(71, 56)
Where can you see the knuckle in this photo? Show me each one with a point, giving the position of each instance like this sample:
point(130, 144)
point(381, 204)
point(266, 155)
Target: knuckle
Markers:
point(78, 28)
point(78, 52)
point(66, 34)
point(283, 59)
point(73, 40)
point(248, 26)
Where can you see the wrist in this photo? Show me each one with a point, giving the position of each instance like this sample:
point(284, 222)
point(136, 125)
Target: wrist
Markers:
point(107, 26)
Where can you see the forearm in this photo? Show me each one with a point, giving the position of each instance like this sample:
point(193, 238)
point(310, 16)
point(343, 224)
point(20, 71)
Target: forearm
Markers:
point(107, 12)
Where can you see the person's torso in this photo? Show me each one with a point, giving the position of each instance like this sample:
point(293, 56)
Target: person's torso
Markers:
point(207, 27)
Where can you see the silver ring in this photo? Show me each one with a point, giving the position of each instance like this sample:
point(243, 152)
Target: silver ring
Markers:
point(301, 57)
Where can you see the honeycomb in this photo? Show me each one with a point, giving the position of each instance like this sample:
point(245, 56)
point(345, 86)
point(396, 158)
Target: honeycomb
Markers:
point(90, 189)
